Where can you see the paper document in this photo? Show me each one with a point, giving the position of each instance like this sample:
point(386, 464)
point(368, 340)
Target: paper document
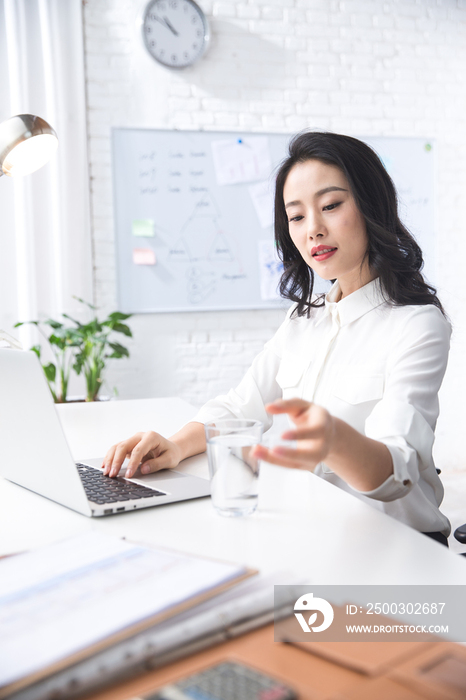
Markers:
point(263, 199)
point(271, 269)
point(242, 160)
point(64, 599)
point(243, 607)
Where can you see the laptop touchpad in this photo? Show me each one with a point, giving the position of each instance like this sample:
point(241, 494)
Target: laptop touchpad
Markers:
point(164, 475)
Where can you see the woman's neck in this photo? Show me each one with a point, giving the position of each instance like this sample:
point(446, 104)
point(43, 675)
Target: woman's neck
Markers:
point(347, 287)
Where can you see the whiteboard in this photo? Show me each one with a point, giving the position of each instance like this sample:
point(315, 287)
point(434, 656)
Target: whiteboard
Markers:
point(193, 215)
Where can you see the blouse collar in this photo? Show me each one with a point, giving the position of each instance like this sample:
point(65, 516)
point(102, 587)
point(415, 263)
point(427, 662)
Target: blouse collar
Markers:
point(355, 305)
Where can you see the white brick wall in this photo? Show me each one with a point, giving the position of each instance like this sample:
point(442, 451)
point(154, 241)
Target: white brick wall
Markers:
point(388, 67)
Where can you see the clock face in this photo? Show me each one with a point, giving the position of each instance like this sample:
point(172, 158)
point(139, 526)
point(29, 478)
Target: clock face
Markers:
point(175, 32)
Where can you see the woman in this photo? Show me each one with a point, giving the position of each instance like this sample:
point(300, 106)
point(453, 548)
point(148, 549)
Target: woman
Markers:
point(357, 371)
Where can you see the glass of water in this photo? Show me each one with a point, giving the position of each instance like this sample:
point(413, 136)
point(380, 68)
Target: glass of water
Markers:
point(234, 473)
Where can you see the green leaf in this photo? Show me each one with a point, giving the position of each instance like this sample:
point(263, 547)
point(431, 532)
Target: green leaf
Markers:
point(118, 350)
point(73, 337)
point(92, 327)
point(79, 363)
point(50, 371)
point(118, 316)
point(37, 350)
point(58, 341)
point(53, 324)
point(123, 328)
point(72, 319)
point(23, 323)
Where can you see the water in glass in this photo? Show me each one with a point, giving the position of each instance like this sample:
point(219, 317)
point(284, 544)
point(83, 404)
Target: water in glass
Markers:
point(234, 474)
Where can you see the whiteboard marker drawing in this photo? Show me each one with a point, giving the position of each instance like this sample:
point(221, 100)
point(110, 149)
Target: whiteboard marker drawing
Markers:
point(200, 285)
point(220, 250)
point(180, 252)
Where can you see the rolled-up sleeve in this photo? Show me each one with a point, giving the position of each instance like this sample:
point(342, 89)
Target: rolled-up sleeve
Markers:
point(405, 418)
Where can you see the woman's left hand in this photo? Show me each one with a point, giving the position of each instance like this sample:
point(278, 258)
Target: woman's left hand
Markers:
point(314, 433)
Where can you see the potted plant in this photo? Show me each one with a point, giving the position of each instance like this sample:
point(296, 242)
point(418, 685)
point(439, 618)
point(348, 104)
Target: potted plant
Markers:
point(63, 342)
point(96, 347)
point(82, 347)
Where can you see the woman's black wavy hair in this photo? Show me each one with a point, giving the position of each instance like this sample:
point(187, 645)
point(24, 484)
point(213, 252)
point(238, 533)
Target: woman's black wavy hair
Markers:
point(392, 253)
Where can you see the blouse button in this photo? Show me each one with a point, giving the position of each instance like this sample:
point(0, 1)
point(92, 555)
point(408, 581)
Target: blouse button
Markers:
point(406, 482)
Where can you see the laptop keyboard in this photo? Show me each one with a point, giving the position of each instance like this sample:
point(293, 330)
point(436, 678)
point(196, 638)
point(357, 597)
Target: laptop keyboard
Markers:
point(102, 489)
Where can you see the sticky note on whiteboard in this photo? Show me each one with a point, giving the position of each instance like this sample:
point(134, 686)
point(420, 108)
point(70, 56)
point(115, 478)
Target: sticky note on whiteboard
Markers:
point(143, 228)
point(143, 256)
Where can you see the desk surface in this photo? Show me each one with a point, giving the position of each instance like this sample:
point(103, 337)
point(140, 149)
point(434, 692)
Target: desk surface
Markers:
point(304, 526)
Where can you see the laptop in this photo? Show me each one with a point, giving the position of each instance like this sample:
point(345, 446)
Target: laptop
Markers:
point(35, 453)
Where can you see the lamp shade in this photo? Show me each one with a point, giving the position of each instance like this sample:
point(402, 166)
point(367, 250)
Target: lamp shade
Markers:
point(26, 144)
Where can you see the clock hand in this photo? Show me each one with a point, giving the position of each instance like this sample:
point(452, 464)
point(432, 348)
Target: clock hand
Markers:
point(166, 23)
point(170, 26)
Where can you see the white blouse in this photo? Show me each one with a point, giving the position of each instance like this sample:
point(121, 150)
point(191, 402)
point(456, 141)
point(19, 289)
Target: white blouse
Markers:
point(376, 366)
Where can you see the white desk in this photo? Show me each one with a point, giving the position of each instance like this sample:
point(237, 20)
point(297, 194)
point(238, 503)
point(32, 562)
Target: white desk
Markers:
point(303, 525)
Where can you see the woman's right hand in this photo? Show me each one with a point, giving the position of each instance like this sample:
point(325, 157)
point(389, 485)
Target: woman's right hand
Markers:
point(150, 449)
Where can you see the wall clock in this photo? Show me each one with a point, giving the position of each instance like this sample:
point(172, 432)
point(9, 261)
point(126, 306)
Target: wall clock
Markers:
point(175, 32)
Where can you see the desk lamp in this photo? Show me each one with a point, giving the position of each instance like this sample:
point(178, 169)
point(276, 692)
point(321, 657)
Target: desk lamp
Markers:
point(26, 144)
